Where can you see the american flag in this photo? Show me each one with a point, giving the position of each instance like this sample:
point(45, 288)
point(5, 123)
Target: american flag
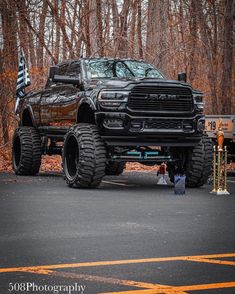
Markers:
point(23, 79)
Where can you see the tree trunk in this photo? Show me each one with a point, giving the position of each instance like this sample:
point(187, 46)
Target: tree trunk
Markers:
point(41, 34)
point(99, 28)
point(132, 33)
point(73, 34)
point(32, 49)
point(116, 25)
point(123, 45)
point(193, 43)
point(226, 81)
point(23, 28)
point(87, 29)
point(93, 27)
point(3, 102)
point(208, 53)
point(9, 62)
point(162, 34)
point(139, 30)
point(61, 23)
point(57, 41)
point(152, 27)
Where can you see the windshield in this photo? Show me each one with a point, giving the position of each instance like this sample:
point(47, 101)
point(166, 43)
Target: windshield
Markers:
point(120, 69)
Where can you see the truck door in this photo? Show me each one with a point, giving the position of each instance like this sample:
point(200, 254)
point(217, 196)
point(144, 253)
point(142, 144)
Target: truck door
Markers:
point(65, 106)
point(48, 98)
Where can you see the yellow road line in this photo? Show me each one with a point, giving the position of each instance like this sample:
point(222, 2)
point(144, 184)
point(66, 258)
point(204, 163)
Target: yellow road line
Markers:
point(146, 288)
point(115, 262)
point(158, 288)
point(148, 291)
point(39, 271)
point(178, 289)
point(108, 280)
point(215, 261)
point(206, 286)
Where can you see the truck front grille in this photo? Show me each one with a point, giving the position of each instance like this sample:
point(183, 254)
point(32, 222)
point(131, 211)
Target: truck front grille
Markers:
point(163, 124)
point(160, 99)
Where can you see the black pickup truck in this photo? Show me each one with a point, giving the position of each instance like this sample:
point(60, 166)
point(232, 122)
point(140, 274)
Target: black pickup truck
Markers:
point(100, 113)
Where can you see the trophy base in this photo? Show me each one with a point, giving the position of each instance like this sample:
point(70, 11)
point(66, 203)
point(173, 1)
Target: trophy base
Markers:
point(220, 192)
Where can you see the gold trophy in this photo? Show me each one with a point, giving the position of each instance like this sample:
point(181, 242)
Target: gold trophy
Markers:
point(220, 137)
point(220, 156)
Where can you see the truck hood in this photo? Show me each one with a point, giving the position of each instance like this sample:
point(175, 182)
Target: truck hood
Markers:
point(129, 84)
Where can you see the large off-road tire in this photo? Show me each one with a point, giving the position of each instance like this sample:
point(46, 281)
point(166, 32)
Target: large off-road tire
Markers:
point(26, 151)
point(197, 165)
point(114, 168)
point(84, 156)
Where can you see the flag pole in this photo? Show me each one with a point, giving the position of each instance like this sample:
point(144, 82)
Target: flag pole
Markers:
point(23, 79)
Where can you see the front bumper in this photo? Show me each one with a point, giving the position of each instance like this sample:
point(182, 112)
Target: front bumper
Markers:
point(122, 129)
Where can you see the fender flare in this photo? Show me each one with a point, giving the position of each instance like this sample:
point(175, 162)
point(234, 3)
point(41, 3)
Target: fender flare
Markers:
point(85, 101)
point(30, 110)
point(88, 101)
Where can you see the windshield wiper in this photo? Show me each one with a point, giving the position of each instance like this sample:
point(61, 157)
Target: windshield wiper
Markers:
point(148, 70)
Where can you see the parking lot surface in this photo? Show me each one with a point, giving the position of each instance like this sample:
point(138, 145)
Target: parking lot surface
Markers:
point(128, 236)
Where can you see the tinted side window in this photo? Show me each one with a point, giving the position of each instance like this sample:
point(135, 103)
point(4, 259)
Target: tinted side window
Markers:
point(74, 69)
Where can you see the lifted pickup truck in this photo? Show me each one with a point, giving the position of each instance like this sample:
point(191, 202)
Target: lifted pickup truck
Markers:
point(100, 113)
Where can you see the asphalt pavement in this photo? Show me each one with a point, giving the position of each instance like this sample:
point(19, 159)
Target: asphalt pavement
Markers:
point(128, 236)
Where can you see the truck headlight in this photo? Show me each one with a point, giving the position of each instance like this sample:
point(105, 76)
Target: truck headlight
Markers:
point(198, 101)
point(112, 99)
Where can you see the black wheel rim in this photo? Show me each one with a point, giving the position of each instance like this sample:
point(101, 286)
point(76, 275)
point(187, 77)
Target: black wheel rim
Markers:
point(71, 157)
point(16, 152)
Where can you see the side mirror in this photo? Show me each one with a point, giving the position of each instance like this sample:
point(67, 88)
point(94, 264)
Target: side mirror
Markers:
point(75, 80)
point(182, 77)
point(54, 70)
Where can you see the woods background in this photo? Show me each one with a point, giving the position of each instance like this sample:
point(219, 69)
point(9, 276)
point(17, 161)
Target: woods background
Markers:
point(195, 36)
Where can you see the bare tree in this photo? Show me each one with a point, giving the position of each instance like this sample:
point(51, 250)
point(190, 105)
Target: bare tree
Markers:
point(99, 28)
point(156, 41)
point(8, 62)
point(139, 25)
point(192, 35)
point(207, 47)
point(41, 34)
point(226, 81)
